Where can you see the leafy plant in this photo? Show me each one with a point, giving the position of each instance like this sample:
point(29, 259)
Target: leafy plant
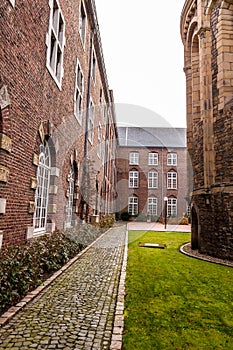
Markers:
point(23, 268)
point(125, 216)
point(107, 221)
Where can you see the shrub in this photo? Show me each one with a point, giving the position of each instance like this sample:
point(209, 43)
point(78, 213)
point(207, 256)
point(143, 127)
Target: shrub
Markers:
point(154, 218)
point(141, 217)
point(125, 216)
point(107, 221)
point(23, 268)
point(184, 221)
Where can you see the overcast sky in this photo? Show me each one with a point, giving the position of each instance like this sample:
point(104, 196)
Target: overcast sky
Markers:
point(143, 55)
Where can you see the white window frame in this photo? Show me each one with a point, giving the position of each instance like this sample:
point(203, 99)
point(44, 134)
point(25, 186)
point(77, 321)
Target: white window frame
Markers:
point(152, 206)
point(172, 180)
point(133, 179)
point(172, 207)
point(78, 93)
point(91, 122)
point(172, 158)
point(153, 179)
point(70, 198)
point(54, 60)
point(134, 158)
point(133, 205)
point(153, 158)
point(99, 140)
point(82, 23)
point(42, 190)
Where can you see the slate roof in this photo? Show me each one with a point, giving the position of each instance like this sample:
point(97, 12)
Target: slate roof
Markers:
point(152, 137)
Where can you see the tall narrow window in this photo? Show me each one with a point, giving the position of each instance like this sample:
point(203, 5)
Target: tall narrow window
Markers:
point(70, 198)
point(78, 93)
point(153, 159)
point(172, 207)
point(42, 191)
point(133, 205)
point(152, 179)
point(82, 23)
point(91, 122)
point(172, 159)
point(134, 158)
point(99, 141)
point(152, 206)
point(172, 180)
point(93, 66)
point(133, 179)
point(55, 42)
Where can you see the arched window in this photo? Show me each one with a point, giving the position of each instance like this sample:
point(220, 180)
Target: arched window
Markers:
point(153, 179)
point(69, 208)
point(172, 180)
point(152, 206)
point(42, 191)
point(133, 205)
point(172, 207)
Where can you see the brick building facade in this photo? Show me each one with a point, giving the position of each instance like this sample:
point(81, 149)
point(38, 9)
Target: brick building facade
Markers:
point(207, 35)
point(152, 172)
point(57, 126)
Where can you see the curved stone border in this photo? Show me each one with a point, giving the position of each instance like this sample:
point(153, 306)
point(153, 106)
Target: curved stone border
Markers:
point(6, 316)
point(195, 254)
point(118, 327)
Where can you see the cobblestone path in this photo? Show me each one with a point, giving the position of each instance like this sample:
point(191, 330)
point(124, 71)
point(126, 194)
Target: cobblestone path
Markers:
point(77, 310)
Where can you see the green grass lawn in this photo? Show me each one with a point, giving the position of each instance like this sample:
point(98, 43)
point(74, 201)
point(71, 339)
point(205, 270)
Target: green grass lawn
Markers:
point(174, 301)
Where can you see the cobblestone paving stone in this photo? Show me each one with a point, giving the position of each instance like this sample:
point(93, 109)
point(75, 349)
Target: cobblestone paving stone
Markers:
point(77, 310)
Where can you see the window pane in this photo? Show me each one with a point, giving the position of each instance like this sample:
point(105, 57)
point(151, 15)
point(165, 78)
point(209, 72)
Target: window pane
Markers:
point(42, 191)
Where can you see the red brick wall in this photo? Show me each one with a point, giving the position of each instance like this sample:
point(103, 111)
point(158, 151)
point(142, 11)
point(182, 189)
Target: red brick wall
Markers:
point(162, 168)
point(34, 99)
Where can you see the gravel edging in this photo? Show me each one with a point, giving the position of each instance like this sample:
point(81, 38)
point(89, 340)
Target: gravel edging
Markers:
point(186, 249)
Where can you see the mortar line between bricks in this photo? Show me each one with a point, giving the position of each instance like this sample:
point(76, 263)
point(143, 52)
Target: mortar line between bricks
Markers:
point(118, 325)
point(13, 310)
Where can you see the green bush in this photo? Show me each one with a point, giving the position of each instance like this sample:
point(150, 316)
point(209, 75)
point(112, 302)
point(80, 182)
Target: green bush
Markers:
point(107, 221)
point(125, 216)
point(23, 268)
point(141, 217)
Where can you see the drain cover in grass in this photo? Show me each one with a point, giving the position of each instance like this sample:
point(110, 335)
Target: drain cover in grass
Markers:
point(152, 245)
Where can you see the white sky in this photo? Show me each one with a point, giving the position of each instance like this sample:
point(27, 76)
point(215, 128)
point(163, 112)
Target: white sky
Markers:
point(143, 55)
